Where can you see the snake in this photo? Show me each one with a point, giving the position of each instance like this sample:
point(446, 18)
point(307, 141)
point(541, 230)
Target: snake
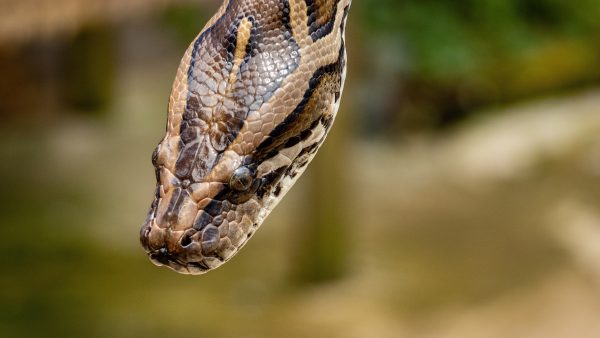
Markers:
point(254, 97)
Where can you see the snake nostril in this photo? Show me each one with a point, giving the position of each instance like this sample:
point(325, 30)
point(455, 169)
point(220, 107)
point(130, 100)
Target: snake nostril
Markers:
point(186, 240)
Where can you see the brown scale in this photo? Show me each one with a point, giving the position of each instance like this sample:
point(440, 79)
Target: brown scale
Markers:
point(324, 10)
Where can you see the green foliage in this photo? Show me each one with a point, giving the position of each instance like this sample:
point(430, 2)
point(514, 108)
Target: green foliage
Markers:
point(447, 39)
point(90, 69)
point(185, 20)
point(439, 60)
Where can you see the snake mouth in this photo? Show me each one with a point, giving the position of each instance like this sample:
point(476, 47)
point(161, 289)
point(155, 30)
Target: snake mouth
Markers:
point(172, 260)
point(162, 257)
point(175, 259)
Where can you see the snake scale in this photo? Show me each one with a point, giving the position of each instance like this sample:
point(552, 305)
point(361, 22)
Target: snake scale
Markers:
point(254, 97)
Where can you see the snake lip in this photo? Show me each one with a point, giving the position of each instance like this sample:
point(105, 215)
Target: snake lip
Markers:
point(147, 226)
point(145, 232)
point(144, 236)
point(162, 257)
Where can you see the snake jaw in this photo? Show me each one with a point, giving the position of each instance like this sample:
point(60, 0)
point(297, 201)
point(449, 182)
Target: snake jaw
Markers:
point(195, 227)
point(223, 220)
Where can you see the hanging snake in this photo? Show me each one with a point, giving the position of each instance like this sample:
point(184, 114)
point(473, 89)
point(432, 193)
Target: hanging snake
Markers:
point(254, 97)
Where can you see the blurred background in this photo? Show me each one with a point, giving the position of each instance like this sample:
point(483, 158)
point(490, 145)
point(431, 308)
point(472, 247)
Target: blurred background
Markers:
point(457, 196)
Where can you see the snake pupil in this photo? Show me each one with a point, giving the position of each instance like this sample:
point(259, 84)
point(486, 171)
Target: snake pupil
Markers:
point(241, 179)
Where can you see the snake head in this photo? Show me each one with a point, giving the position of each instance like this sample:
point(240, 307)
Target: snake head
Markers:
point(197, 225)
point(254, 98)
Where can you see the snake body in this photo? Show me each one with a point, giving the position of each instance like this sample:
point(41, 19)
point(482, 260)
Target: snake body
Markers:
point(253, 100)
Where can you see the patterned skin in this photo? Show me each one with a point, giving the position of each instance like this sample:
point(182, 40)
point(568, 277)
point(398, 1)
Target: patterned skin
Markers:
point(253, 100)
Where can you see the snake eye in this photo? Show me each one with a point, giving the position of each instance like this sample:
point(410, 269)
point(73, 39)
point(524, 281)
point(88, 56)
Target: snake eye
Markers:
point(241, 180)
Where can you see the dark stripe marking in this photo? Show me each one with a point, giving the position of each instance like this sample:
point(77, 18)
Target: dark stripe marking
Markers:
point(317, 32)
point(201, 38)
point(280, 129)
point(344, 18)
point(269, 180)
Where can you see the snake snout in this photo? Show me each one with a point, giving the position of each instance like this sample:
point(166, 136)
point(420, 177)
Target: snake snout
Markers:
point(180, 251)
point(161, 257)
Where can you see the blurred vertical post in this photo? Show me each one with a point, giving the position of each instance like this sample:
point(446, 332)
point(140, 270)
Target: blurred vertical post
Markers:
point(90, 69)
point(322, 241)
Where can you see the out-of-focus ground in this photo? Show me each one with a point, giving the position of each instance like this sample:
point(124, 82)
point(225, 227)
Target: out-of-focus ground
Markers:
point(497, 222)
point(450, 237)
point(487, 228)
